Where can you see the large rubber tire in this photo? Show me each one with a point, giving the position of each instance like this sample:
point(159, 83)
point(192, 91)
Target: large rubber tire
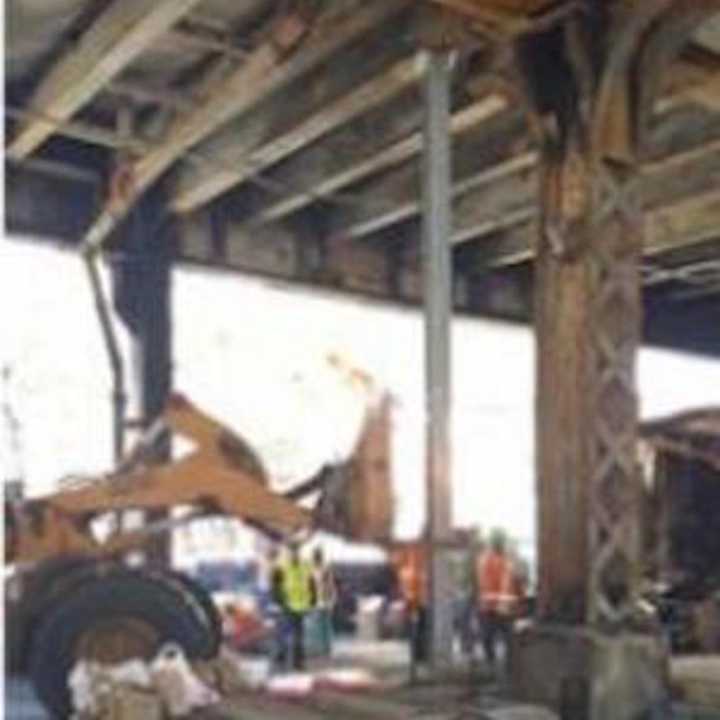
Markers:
point(40, 591)
point(122, 594)
point(193, 589)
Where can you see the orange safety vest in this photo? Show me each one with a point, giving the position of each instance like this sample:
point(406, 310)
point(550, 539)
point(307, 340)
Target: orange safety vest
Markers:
point(497, 590)
point(410, 563)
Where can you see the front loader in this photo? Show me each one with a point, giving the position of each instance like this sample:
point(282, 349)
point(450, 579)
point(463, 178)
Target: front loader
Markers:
point(73, 595)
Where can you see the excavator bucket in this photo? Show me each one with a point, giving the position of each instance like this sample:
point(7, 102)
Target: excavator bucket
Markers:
point(368, 497)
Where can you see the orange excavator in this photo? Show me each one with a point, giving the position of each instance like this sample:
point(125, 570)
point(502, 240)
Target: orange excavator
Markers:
point(73, 595)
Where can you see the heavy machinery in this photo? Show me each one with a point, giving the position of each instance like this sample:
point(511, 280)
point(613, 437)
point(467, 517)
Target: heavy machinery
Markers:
point(73, 595)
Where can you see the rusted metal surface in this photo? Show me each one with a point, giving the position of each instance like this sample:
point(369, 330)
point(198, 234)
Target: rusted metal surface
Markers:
point(615, 316)
point(351, 173)
point(694, 434)
point(562, 330)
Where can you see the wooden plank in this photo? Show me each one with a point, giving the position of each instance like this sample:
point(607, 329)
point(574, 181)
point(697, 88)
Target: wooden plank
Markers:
point(198, 191)
point(267, 69)
point(121, 34)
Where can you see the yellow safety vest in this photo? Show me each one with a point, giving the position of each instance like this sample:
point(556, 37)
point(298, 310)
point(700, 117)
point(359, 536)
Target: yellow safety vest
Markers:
point(297, 586)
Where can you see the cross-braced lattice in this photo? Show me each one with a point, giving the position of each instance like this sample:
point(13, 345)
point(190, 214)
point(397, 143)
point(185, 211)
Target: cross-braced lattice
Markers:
point(614, 255)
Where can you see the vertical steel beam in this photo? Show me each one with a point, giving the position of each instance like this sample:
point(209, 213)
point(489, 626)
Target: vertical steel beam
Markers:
point(437, 269)
point(614, 252)
point(142, 275)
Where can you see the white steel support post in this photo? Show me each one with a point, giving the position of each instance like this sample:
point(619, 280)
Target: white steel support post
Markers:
point(437, 270)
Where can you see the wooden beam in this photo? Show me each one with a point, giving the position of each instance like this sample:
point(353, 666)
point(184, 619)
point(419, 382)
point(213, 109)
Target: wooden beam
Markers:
point(269, 67)
point(195, 191)
point(121, 33)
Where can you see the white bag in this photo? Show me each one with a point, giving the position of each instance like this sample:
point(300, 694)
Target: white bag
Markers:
point(178, 686)
point(89, 681)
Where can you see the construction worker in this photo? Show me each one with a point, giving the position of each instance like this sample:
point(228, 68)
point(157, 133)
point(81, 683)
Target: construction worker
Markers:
point(326, 597)
point(411, 566)
point(497, 594)
point(463, 559)
point(275, 586)
point(298, 597)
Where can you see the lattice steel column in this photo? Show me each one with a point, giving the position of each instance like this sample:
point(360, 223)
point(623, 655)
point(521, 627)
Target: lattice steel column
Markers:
point(614, 251)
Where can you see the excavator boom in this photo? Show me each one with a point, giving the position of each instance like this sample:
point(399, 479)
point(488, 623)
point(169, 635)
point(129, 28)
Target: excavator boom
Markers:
point(222, 476)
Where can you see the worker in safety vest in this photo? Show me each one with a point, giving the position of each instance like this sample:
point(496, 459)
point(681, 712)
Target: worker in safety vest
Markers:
point(298, 599)
point(326, 595)
point(497, 594)
point(411, 567)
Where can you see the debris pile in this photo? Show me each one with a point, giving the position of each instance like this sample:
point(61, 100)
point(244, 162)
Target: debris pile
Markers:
point(168, 686)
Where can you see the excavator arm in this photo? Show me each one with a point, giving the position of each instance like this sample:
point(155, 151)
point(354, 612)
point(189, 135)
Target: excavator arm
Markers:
point(221, 476)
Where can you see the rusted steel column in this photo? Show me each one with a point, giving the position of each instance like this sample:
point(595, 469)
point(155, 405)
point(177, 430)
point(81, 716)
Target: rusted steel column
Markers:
point(588, 323)
point(588, 315)
point(563, 336)
point(437, 270)
point(614, 251)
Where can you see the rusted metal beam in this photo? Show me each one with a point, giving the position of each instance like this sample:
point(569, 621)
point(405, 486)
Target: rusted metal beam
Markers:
point(679, 225)
point(562, 423)
point(273, 64)
point(154, 96)
point(121, 33)
point(509, 208)
point(181, 38)
point(367, 165)
point(364, 218)
point(196, 189)
point(77, 130)
point(287, 116)
point(509, 17)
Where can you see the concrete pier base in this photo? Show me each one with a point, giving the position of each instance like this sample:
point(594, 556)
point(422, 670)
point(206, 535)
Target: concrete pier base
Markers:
point(586, 675)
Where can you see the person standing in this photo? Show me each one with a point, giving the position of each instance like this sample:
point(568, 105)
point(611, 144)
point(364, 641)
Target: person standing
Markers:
point(411, 566)
point(298, 600)
point(275, 586)
point(497, 595)
point(464, 558)
point(326, 597)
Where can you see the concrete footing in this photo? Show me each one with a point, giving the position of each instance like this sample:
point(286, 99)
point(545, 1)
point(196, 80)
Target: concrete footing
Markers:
point(585, 675)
